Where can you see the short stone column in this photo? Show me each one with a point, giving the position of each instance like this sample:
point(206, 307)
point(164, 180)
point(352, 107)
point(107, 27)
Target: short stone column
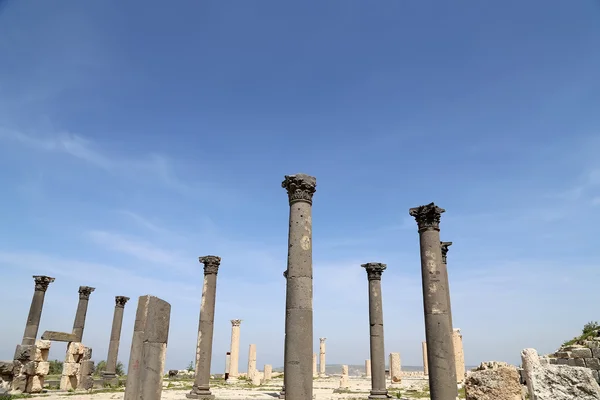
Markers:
point(395, 368)
point(368, 369)
point(201, 387)
point(235, 348)
point(115, 336)
point(35, 310)
point(315, 370)
point(459, 356)
point(227, 364)
point(82, 306)
point(148, 349)
point(251, 361)
point(378, 386)
point(299, 296)
point(344, 379)
point(438, 330)
point(425, 365)
point(268, 373)
point(322, 364)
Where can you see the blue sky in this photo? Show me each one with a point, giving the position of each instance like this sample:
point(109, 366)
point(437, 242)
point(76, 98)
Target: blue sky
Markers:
point(137, 136)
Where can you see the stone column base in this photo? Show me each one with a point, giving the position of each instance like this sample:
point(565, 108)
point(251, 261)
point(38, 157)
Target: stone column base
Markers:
point(379, 394)
point(200, 393)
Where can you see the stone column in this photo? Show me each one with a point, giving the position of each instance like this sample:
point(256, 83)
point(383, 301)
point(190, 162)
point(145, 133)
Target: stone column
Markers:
point(368, 369)
point(459, 355)
point(315, 370)
point(235, 348)
point(438, 331)
point(227, 364)
point(79, 323)
point(251, 361)
point(268, 372)
point(344, 381)
point(425, 365)
point(148, 349)
point(299, 297)
point(115, 336)
point(395, 368)
point(444, 271)
point(322, 356)
point(201, 387)
point(378, 386)
point(282, 393)
point(35, 310)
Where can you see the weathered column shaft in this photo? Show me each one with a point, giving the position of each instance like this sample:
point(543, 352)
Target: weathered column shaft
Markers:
point(459, 355)
point(235, 348)
point(201, 387)
point(378, 386)
point(444, 276)
point(425, 364)
point(322, 363)
point(35, 310)
point(251, 360)
point(315, 370)
point(282, 393)
point(115, 337)
point(299, 294)
point(438, 330)
point(395, 368)
point(368, 369)
point(82, 306)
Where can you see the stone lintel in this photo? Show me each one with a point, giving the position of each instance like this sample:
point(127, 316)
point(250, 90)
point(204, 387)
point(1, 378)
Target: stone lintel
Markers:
point(58, 336)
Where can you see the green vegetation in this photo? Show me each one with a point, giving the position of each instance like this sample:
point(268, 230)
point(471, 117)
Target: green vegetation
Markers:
point(101, 367)
point(56, 367)
point(590, 329)
point(14, 396)
point(190, 367)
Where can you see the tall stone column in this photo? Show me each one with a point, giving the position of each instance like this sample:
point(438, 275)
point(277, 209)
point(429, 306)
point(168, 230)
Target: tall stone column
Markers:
point(234, 359)
point(444, 271)
point(251, 361)
point(425, 365)
point(115, 337)
point(322, 363)
point(438, 330)
point(299, 297)
point(378, 387)
point(282, 393)
point(201, 387)
point(82, 306)
point(35, 310)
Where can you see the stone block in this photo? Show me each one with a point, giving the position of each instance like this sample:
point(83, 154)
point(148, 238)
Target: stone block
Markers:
point(68, 382)
point(87, 353)
point(582, 352)
point(596, 353)
point(576, 362)
point(73, 358)
point(86, 368)
point(19, 383)
point(75, 348)
point(592, 363)
point(43, 344)
point(58, 336)
point(28, 368)
point(563, 354)
point(596, 375)
point(562, 361)
point(24, 352)
point(553, 361)
point(592, 344)
point(35, 384)
point(42, 368)
point(41, 355)
point(86, 383)
point(6, 368)
point(493, 384)
point(70, 369)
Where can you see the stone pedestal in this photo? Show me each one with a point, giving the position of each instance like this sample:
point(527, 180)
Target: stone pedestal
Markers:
point(459, 355)
point(268, 373)
point(110, 373)
point(378, 387)
point(425, 364)
point(235, 348)
point(201, 388)
point(148, 349)
point(438, 328)
point(35, 310)
point(322, 364)
point(82, 306)
point(299, 296)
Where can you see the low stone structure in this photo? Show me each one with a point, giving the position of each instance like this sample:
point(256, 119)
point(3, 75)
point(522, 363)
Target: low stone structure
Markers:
point(395, 369)
point(493, 381)
point(6, 375)
point(77, 368)
point(557, 382)
point(344, 379)
point(268, 373)
point(29, 367)
point(585, 355)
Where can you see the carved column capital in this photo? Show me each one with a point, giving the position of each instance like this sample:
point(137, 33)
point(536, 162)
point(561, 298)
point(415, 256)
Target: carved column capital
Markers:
point(236, 322)
point(211, 264)
point(300, 187)
point(374, 270)
point(427, 216)
point(445, 246)
point(285, 274)
point(85, 291)
point(120, 301)
point(42, 282)
point(322, 339)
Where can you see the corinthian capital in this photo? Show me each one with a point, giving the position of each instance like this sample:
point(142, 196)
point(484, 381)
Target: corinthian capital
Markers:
point(427, 217)
point(374, 270)
point(211, 264)
point(236, 322)
point(445, 246)
point(120, 301)
point(42, 282)
point(322, 339)
point(300, 187)
point(85, 291)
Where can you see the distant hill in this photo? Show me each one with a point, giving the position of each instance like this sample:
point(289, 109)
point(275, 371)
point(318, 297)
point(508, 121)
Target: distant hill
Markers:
point(359, 370)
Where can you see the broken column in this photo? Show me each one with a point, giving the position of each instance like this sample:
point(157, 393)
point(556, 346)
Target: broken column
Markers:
point(35, 310)
point(78, 368)
point(315, 371)
point(438, 330)
point(201, 388)
point(227, 364)
point(378, 386)
point(115, 336)
point(395, 368)
point(368, 369)
point(235, 348)
point(251, 361)
point(322, 356)
point(299, 312)
point(344, 381)
point(148, 349)
point(459, 355)
point(425, 365)
point(82, 306)
point(268, 372)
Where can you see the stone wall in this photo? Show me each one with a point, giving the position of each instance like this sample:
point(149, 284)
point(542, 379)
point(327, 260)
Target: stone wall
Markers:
point(78, 368)
point(586, 354)
point(30, 367)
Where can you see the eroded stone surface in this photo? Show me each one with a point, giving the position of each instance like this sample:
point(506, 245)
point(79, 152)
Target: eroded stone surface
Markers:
point(498, 383)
